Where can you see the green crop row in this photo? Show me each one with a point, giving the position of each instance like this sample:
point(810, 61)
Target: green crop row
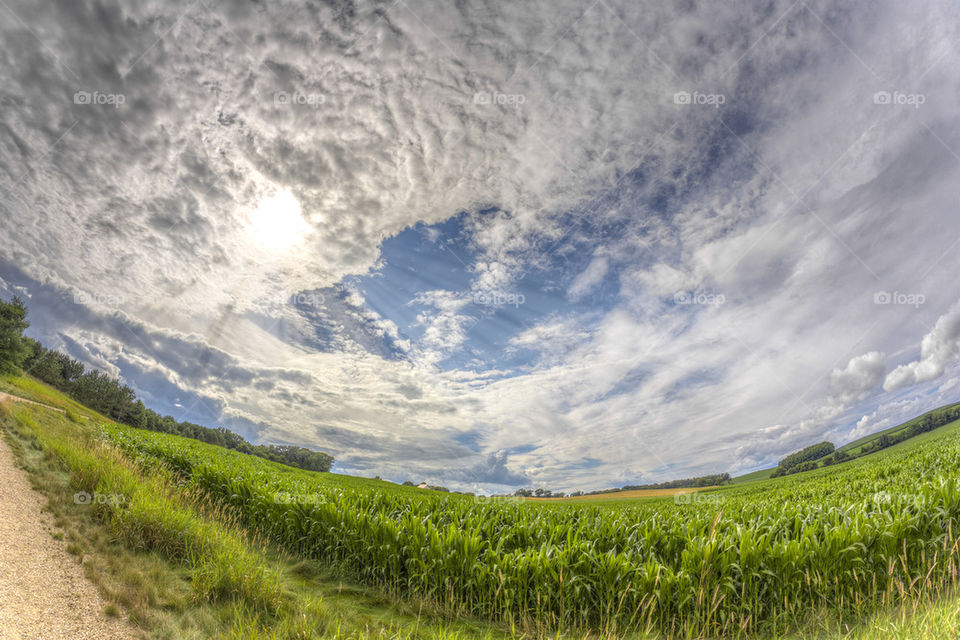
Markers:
point(755, 559)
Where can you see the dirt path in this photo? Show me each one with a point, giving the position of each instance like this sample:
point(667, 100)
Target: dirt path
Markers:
point(43, 592)
point(7, 396)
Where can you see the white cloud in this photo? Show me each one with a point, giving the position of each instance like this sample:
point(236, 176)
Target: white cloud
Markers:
point(444, 329)
point(797, 202)
point(862, 375)
point(591, 277)
point(938, 349)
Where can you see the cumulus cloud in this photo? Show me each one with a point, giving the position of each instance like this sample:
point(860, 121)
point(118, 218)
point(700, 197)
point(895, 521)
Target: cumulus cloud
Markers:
point(862, 375)
point(494, 470)
point(938, 349)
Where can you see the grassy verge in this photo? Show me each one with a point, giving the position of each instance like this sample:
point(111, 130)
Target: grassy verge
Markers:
point(914, 620)
point(32, 389)
point(151, 552)
point(924, 618)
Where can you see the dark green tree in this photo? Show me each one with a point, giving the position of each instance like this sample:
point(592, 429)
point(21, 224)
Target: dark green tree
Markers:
point(14, 347)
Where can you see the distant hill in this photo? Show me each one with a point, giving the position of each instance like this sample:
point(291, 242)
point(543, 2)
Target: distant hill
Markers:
point(867, 445)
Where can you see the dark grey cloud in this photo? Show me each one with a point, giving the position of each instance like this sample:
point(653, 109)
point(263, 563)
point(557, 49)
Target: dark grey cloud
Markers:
point(494, 470)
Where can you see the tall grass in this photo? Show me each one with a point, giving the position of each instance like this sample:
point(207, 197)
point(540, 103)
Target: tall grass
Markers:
point(147, 512)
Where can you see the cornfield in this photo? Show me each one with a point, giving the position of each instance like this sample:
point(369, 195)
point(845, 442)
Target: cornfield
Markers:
point(755, 559)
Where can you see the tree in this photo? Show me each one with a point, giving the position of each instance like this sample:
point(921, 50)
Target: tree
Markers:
point(813, 452)
point(14, 348)
point(808, 465)
point(138, 417)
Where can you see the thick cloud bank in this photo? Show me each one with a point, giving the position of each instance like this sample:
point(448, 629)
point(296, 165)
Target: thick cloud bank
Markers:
point(488, 243)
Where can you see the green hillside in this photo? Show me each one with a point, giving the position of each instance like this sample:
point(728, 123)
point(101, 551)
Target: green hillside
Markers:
point(856, 447)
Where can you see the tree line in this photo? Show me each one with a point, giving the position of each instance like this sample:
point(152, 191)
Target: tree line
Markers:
point(714, 480)
point(927, 422)
point(803, 460)
point(108, 396)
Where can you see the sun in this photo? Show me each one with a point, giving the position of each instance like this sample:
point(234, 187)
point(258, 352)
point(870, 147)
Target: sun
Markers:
point(277, 223)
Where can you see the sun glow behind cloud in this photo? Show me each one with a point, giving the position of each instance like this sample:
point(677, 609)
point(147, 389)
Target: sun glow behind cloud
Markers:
point(278, 223)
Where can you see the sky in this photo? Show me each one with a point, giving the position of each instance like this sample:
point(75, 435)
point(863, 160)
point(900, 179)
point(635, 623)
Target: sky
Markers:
point(488, 245)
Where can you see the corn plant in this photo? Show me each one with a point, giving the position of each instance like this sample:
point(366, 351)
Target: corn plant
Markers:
point(844, 540)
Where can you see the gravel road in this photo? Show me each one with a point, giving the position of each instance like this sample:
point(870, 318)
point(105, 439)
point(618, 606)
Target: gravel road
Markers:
point(43, 592)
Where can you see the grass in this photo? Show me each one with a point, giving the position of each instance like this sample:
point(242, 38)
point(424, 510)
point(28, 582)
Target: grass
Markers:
point(936, 620)
point(30, 388)
point(917, 619)
point(152, 554)
point(756, 476)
